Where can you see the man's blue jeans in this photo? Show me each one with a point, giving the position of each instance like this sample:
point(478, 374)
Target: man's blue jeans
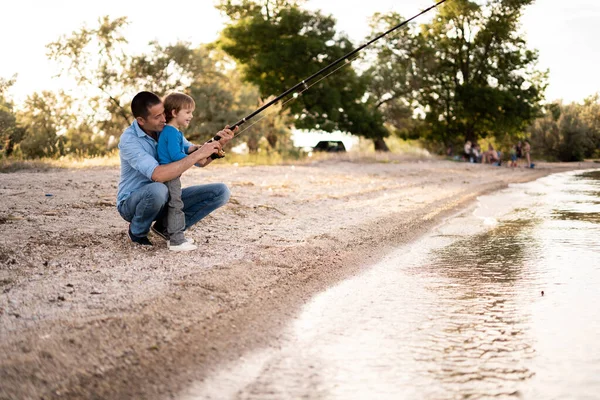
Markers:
point(148, 204)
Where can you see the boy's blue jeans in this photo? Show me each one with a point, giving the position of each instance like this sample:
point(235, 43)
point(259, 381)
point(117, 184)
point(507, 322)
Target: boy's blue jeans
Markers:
point(148, 204)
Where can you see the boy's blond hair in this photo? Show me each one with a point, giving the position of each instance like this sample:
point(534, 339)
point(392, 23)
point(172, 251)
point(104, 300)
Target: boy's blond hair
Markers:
point(176, 102)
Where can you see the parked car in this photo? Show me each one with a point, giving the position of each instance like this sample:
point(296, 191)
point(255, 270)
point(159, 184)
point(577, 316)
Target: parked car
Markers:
point(330, 146)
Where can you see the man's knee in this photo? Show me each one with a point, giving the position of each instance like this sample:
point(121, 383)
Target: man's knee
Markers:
point(225, 193)
point(159, 194)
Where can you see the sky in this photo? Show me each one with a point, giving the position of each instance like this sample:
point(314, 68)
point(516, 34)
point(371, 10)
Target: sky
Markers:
point(564, 32)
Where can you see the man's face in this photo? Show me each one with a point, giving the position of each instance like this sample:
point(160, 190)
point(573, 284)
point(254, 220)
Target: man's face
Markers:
point(155, 121)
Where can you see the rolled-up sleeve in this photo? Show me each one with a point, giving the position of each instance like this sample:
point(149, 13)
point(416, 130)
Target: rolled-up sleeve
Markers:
point(134, 153)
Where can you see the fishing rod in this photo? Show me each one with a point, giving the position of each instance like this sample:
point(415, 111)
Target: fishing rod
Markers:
point(304, 83)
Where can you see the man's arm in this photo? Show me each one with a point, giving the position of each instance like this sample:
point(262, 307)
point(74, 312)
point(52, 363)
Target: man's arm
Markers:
point(167, 172)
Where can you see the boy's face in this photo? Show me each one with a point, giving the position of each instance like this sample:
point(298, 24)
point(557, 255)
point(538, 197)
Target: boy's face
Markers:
point(155, 121)
point(183, 117)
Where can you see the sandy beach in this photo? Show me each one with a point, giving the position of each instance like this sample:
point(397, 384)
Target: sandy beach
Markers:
point(84, 313)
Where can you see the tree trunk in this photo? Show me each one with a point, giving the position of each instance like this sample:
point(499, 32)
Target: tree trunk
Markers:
point(380, 145)
point(252, 144)
point(272, 139)
point(470, 134)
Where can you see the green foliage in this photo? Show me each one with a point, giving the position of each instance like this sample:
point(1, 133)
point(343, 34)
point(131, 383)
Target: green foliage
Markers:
point(278, 44)
point(393, 74)
point(482, 79)
point(10, 132)
point(42, 122)
point(272, 128)
point(568, 132)
point(97, 60)
point(52, 128)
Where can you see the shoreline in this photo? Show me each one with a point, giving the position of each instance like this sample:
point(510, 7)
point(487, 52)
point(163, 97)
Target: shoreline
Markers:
point(83, 313)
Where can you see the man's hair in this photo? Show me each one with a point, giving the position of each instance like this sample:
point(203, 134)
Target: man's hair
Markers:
point(142, 102)
point(176, 102)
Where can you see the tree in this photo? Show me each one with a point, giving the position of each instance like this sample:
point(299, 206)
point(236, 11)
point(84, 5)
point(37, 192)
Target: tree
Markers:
point(393, 74)
point(477, 76)
point(97, 60)
point(44, 119)
point(278, 44)
point(10, 132)
point(568, 132)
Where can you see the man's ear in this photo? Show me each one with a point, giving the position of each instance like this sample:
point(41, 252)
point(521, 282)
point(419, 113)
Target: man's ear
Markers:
point(141, 121)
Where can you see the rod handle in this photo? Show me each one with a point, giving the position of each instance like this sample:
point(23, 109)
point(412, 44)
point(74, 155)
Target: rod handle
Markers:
point(221, 153)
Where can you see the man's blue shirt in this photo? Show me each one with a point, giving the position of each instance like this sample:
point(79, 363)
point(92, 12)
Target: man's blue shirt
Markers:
point(172, 146)
point(139, 158)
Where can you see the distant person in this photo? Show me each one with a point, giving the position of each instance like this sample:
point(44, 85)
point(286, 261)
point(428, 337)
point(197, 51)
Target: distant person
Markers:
point(476, 153)
point(467, 150)
point(142, 195)
point(527, 153)
point(513, 156)
point(519, 151)
point(491, 156)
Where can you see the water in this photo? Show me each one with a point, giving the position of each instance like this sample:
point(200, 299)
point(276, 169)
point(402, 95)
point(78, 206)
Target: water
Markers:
point(459, 314)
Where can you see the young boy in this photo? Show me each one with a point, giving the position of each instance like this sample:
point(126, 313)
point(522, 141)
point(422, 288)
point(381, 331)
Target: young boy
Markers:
point(171, 148)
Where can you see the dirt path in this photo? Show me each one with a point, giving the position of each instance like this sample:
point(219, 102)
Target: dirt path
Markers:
point(84, 313)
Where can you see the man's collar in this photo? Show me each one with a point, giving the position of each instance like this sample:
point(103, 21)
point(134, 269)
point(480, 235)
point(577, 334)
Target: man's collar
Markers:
point(137, 129)
point(140, 132)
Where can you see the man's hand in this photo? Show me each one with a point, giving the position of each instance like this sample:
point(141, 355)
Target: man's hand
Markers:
point(206, 150)
point(193, 148)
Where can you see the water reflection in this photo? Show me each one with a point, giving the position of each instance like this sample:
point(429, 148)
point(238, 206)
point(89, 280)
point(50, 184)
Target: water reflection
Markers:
point(483, 341)
point(593, 177)
point(593, 217)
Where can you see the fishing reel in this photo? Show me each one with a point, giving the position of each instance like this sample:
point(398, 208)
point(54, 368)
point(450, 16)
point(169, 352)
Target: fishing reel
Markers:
point(220, 153)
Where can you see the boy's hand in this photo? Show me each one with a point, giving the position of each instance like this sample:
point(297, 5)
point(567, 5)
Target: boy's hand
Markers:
point(193, 148)
point(227, 134)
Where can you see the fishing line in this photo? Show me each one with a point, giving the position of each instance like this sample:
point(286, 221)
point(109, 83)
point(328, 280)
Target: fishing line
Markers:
point(294, 97)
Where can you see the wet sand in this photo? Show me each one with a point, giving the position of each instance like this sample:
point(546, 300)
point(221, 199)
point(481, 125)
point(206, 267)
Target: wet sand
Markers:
point(84, 313)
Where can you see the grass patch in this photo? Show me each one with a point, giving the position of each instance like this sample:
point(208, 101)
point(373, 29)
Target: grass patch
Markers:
point(8, 165)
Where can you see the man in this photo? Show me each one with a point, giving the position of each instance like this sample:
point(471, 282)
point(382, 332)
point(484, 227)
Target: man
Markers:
point(142, 194)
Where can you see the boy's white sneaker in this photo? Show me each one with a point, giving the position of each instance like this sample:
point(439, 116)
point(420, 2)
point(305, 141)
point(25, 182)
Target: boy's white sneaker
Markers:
point(189, 240)
point(185, 246)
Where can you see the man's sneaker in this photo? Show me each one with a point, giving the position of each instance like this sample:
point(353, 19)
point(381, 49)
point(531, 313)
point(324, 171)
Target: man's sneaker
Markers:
point(185, 246)
point(143, 240)
point(160, 231)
